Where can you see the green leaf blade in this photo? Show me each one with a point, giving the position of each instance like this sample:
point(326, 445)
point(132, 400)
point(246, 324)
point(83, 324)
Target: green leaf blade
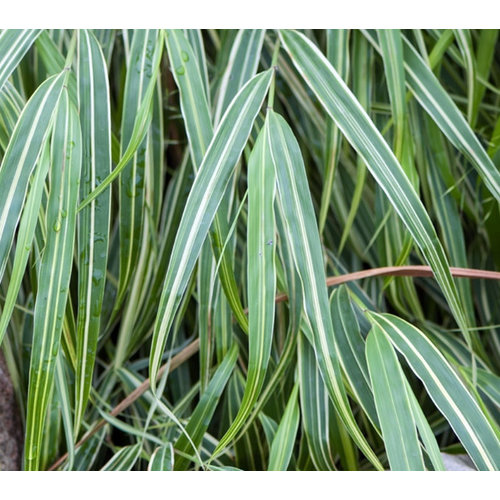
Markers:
point(393, 406)
point(201, 206)
point(446, 389)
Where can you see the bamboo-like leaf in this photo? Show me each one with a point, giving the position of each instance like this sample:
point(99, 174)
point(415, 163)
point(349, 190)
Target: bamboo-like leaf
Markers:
point(337, 52)
point(193, 99)
point(93, 220)
point(124, 459)
point(141, 121)
point(202, 203)
point(316, 408)
point(21, 156)
point(284, 440)
point(11, 105)
point(445, 389)
point(162, 459)
point(393, 405)
point(13, 45)
point(464, 41)
point(434, 99)
point(241, 66)
point(368, 142)
point(425, 431)
point(196, 112)
point(55, 271)
point(64, 400)
point(202, 415)
point(195, 38)
point(299, 215)
point(484, 57)
point(141, 76)
point(351, 350)
point(261, 276)
point(25, 235)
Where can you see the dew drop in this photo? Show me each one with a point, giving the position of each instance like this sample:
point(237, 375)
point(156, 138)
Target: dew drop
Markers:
point(180, 70)
point(57, 226)
point(185, 56)
point(97, 276)
point(64, 213)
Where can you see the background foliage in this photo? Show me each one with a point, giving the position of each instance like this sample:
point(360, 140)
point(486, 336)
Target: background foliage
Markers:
point(171, 204)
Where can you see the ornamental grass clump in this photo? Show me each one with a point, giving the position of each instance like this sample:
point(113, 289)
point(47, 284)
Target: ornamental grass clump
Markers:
point(251, 249)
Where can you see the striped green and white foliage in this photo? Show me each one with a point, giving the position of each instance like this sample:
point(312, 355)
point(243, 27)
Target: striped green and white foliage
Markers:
point(445, 113)
point(55, 271)
point(260, 162)
point(94, 219)
point(20, 158)
point(162, 459)
point(202, 415)
point(393, 404)
point(299, 221)
point(201, 205)
point(360, 131)
point(445, 388)
point(11, 105)
point(316, 408)
point(141, 77)
point(198, 123)
point(284, 439)
point(13, 46)
point(242, 65)
point(261, 275)
point(124, 459)
point(25, 235)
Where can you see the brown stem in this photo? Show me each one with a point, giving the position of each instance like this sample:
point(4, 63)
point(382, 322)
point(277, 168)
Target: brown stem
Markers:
point(189, 350)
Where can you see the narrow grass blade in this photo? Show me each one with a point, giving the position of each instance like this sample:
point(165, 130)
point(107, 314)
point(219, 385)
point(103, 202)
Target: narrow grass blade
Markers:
point(196, 113)
point(425, 431)
point(55, 272)
point(141, 120)
point(435, 100)
point(11, 105)
point(49, 53)
point(464, 41)
point(299, 215)
point(447, 212)
point(93, 220)
point(485, 53)
point(162, 459)
point(21, 156)
point(361, 76)
point(445, 389)
point(393, 405)
point(202, 415)
point(124, 459)
point(261, 276)
point(204, 198)
point(351, 351)
point(337, 52)
point(64, 402)
point(315, 407)
point(195, 38)
point(13, 45)
point(241, 66)
point(25, 235)
point(141, 76)
point(193, 99)
point(284, 440)
point(367, 140)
